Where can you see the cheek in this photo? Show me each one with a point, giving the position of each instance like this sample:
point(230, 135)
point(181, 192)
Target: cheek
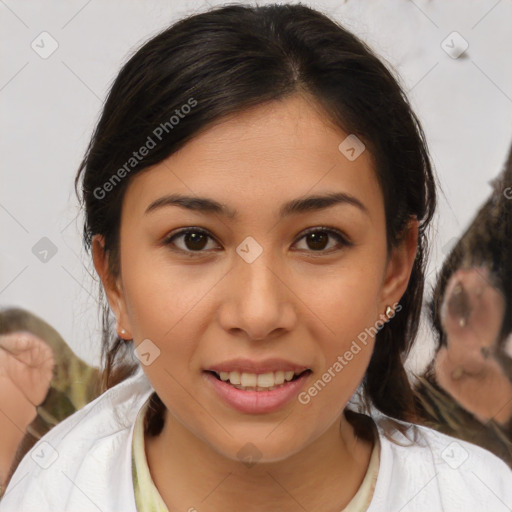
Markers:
point(348, 301)
point(344, 333)
point(164, 307)
point(160, 296)
point(332, 387)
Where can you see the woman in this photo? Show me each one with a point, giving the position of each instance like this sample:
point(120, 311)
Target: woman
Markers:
point(257, 194)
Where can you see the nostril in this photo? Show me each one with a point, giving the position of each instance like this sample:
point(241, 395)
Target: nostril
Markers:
point(459, 305)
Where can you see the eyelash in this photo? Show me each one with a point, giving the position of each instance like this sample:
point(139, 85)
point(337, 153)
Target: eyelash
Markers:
point(341, 238)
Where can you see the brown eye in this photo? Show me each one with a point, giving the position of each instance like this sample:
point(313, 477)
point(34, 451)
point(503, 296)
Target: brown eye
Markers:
point(194, 240)
point(317, 239)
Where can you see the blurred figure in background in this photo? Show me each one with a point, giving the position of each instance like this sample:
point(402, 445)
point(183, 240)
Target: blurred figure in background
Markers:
point(467, 388)
point(41, 382)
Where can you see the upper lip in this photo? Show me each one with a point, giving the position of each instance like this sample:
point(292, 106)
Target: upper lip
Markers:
point(257, 367)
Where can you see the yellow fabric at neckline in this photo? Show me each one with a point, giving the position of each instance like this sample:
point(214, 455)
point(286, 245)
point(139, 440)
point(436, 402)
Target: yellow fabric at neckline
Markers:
point(148, 499)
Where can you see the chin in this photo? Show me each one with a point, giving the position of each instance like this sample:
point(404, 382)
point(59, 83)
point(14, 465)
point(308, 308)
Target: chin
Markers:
point(252, 450)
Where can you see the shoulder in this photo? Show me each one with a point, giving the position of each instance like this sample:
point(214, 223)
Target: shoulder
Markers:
point(83, 456)
point(437, 471)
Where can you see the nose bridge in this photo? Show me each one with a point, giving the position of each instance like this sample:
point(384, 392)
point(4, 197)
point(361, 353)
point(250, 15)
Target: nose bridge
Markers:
point(258, 276)
point(260, 300)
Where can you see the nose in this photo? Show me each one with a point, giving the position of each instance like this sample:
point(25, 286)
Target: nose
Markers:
point(260, 300)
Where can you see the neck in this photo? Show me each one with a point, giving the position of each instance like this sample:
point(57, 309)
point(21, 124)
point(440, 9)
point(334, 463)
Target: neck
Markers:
point(323, 476)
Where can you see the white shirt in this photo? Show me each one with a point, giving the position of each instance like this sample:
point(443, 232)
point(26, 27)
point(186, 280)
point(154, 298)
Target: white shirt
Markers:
point(84, 464)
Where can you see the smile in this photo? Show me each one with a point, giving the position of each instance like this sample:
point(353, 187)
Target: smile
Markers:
point(258, 382)
point(256, 398)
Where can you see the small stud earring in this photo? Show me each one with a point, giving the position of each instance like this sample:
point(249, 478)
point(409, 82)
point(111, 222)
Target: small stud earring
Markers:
point(389, 312)
point(123, 331)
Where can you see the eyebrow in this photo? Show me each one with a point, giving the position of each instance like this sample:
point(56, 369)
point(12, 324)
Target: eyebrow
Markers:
point(295, 206)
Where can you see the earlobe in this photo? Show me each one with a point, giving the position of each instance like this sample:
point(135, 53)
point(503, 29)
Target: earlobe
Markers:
point(400, 265)
point(111, 284)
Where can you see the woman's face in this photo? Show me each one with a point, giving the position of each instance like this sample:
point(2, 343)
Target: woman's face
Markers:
point(254, 285)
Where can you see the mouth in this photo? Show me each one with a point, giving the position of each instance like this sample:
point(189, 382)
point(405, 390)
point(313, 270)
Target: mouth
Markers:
point(257, 393)
point(268, 381)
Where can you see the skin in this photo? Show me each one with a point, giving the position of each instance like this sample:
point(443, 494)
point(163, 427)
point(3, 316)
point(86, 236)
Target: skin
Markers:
point(26, 371)
point(466, 367)
point(294, 301)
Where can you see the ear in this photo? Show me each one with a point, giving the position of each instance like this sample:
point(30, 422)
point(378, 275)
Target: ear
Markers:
point(399, 266)
point(112, 285)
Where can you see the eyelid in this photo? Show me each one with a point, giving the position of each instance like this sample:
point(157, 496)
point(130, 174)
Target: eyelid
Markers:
point(167, 240)
point(343, 239)
point(329, 229)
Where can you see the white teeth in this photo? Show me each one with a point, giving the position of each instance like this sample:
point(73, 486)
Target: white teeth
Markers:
point(234, 377)
point(248, 379)
point(251, 380)
point(279, 377)
point(265, 380)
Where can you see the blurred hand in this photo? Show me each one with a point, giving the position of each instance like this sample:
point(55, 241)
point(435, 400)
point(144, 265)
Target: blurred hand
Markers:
point(26, 372)
point(26, 363)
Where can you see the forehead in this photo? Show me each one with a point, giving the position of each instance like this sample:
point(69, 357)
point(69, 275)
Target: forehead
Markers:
point(290, 129)
point(273, 152)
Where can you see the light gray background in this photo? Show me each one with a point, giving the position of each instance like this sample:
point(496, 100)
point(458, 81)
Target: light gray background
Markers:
point(49, 108)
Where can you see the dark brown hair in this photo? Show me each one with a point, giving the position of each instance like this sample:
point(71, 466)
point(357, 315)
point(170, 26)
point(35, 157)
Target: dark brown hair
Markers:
point(234, 57)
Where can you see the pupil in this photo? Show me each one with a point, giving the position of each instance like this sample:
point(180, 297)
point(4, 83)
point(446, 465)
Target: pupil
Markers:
point(318, 238)
point(195, 238)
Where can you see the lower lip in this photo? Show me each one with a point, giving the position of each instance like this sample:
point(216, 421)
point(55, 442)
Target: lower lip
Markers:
point(257, 402)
